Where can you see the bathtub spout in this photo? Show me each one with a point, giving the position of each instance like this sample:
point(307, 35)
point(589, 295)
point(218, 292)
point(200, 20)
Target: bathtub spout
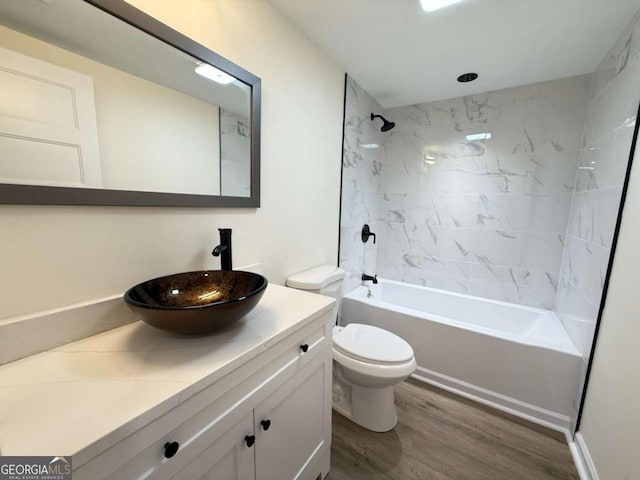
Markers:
point(366, 278)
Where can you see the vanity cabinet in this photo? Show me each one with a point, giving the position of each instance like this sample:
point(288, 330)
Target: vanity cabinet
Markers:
point(290, 426)
point(268, 420)
point(282, 438)
point(228, 458)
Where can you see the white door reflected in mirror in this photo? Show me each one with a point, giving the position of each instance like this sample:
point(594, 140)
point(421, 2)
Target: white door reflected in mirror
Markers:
point(48, 132)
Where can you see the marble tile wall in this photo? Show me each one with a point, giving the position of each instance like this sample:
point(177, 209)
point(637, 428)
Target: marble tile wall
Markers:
point(361, 167)
point(611, 116)
point(235, 154)
point(486, 217)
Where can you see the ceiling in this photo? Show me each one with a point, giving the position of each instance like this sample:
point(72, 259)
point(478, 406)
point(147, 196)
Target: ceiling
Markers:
point(402, 55)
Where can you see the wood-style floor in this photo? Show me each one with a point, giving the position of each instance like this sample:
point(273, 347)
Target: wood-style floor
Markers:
point(441, 436)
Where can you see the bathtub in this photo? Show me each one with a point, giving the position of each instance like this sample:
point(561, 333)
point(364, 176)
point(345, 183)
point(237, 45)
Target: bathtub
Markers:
point(512, 357)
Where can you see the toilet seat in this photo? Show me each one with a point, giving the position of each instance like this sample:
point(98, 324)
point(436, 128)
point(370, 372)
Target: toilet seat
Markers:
point(372, 351)
point(371, 345)
point(398, 370)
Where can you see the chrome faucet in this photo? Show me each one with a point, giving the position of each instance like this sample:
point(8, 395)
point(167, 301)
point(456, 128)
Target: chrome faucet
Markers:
point(224, 249)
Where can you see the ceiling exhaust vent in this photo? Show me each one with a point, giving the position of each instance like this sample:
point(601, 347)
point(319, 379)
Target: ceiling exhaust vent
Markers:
point(467, 77)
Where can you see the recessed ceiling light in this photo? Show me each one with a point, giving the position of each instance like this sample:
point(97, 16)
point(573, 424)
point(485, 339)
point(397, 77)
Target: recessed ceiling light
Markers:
point(433, 5)
point(369, 145)
point(478, 136)
point(212, 73)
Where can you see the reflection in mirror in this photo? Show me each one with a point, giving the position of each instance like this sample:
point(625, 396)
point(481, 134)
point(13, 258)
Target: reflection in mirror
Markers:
point(87, 100)
point(235, 151)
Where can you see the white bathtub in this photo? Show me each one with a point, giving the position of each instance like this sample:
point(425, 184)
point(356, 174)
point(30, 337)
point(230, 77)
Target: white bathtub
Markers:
point(518, 359)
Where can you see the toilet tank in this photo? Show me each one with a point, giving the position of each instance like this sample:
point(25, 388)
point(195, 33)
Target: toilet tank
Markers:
point(325, 280)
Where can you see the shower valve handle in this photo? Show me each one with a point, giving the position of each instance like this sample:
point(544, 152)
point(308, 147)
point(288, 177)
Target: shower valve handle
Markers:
point(366, 233)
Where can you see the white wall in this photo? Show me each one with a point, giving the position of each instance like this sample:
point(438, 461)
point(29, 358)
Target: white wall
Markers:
point(611, 420)
point(131, 111)
point(53, 256)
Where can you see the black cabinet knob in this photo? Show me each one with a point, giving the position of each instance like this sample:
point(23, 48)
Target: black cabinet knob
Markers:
point(304, 348)
point(265, 424)
point(170, 449)
point(250, 440)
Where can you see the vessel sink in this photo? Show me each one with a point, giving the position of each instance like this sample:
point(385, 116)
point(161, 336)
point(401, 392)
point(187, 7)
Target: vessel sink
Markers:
point(196, 302)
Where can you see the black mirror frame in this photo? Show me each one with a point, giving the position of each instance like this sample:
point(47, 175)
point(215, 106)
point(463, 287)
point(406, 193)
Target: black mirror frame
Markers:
point(14, 194)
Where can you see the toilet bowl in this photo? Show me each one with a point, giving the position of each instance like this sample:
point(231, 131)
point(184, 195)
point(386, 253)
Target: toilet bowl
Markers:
point(367, 361)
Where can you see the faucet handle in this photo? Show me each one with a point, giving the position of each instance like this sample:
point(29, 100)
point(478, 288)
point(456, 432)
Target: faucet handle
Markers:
point(366, 233)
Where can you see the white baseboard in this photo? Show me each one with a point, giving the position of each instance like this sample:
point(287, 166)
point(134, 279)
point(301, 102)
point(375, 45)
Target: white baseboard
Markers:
point(27, 335)
point(582, 459)
point(546, 418)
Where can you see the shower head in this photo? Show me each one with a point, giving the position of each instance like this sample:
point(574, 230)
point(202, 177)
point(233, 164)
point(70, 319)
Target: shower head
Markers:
point(386, 126)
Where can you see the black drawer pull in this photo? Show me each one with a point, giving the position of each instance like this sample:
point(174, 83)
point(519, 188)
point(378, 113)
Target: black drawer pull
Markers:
point(170, 449)
point(304, 347)
point(265, 424)
point(250, 439)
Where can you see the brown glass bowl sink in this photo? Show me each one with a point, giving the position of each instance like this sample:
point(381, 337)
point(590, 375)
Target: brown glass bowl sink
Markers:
point(196, 302)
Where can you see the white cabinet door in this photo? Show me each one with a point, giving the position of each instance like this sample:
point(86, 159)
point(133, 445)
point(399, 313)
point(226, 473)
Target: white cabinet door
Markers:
point(48, 127)
point(228, 458)
point(299, 428)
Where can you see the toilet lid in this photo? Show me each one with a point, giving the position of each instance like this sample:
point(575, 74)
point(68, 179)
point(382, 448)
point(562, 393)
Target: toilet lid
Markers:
point(316, 278)
point(372, 344)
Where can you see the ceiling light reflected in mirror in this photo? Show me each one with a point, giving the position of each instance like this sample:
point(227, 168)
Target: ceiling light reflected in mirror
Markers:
point(212, 73)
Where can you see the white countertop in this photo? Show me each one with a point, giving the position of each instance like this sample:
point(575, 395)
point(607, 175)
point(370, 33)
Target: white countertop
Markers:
point(93, 392)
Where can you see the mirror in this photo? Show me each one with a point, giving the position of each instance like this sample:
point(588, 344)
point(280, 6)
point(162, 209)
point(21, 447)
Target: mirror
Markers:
point(99, 110)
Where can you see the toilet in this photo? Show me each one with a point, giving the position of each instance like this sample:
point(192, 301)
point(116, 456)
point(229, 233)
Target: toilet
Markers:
point(367, 361)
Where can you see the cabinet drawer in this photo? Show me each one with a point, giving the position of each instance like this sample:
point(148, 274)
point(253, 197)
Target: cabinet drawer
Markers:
point(195, 423)
point(310, 344)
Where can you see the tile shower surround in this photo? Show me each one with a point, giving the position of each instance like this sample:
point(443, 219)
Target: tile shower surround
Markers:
point(611, 117)
point(483, 217)
point(361, 167)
